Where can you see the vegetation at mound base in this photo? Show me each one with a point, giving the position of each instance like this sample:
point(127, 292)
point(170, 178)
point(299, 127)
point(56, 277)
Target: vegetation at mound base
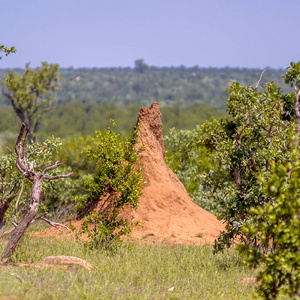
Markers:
point(133, 272)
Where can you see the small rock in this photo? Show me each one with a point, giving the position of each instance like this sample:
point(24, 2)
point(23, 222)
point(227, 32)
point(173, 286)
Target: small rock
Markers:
point(248, 280)
point(8, 298)
point(61, 261)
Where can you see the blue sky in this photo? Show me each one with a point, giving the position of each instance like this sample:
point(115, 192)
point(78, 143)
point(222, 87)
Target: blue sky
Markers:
point(105, 33)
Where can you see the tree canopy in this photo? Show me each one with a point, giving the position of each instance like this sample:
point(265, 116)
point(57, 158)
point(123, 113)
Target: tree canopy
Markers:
point(29, 96)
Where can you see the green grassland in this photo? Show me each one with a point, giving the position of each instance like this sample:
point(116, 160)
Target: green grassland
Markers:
point(134, 271)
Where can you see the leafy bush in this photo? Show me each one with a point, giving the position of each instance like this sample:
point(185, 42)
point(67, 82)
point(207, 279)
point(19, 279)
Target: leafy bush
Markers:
point(12, 181)
point(277, 224)
point(188, 160)
point(243, 147)
point(181, 156)
point(115, 184)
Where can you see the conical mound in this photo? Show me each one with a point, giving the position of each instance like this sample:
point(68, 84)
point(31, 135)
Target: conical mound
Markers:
point(165, 209)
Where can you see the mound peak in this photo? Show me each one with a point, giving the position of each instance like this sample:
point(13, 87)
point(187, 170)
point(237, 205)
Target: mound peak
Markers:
point(165, 209)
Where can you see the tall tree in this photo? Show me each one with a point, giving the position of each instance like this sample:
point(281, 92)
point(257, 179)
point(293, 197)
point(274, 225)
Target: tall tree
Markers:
point(29, 94)
point(140, 66)
point(258, 132)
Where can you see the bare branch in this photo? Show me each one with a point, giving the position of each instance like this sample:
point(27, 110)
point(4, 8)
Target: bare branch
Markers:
point(9, 199)
point(7, 232)
point(20, 138)
point(261, 75)
point(4, 197)
point(36, 150)
point(58, 176)
point(105, 201)
point(14, 155)
point(22, 171)
point(56, 165)
point(19, 148)
point(54, 224)
point(239, 141)
point(17, 202)
point(17, 276)
point(4, 207)
point(9, 95)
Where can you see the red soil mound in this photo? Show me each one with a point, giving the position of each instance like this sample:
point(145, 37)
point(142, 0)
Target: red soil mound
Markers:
point(165, 209)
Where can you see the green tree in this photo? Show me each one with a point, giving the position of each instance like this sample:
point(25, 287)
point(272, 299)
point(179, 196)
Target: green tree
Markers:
point(28, 174)
point(140, 66)
point(277, 223)
point(29, 94)
point(243, 147)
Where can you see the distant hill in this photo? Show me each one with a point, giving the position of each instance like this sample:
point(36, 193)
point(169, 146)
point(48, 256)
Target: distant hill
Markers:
point(167, 85)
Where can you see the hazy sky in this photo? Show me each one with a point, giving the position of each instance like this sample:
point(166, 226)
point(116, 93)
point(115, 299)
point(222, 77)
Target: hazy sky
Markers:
point(104, 33)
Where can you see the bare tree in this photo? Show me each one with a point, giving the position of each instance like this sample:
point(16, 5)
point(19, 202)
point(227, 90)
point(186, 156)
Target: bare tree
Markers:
point(26, 168)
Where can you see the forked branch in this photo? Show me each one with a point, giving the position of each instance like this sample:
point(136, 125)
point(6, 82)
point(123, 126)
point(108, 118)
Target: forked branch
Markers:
point(37, 178)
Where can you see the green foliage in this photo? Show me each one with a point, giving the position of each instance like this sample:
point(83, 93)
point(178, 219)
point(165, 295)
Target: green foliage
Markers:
point(167, 85)
point(10, 180)
point(6, 50)
point(64, 192)
point(78, 119)
point(186, 158)
point(277, 223)
point(140, 66)
point(115, 184)
point(40, 156)
point(255, 179)
point(292, 76)
point(29, 93)
point(244, 147)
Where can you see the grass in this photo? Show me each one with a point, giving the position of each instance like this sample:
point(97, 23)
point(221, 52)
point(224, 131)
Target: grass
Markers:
point(134, 272)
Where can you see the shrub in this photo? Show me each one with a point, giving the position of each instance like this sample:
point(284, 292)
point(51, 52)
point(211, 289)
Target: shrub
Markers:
point(115, 184)
point(277, 228)
point(243, 148)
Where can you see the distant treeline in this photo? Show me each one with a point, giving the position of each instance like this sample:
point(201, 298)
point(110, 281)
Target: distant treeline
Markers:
point(77, 119)
point(167, 85)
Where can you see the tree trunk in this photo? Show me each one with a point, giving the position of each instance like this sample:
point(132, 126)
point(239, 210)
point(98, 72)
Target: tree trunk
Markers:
point(297, 113)
point(28, 217)
point(2, 224)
